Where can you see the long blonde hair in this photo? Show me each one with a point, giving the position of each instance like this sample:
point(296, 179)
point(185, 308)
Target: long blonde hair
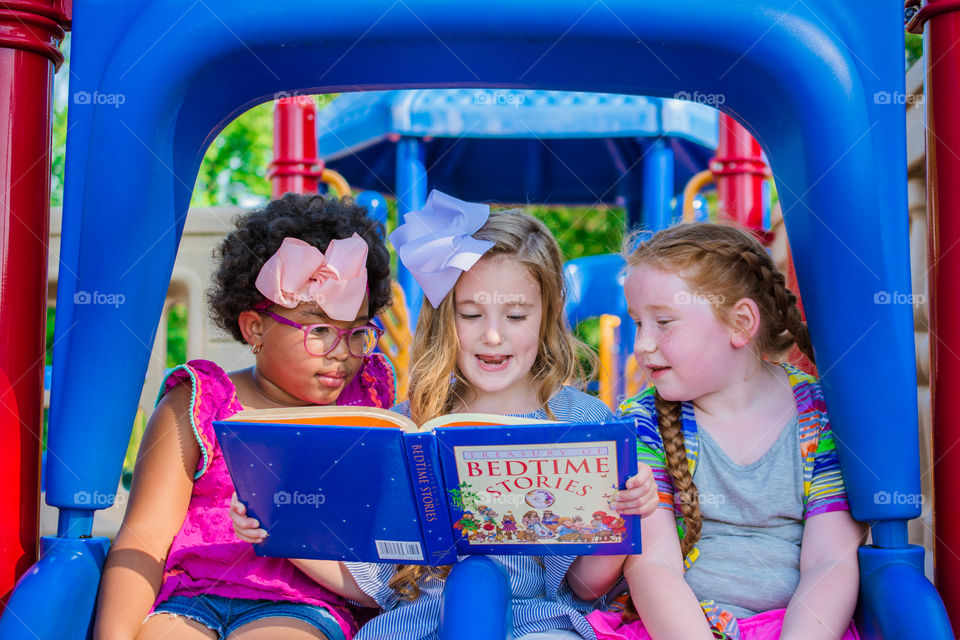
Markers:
point(436, 383)
point(727, 264)
point(436, 346)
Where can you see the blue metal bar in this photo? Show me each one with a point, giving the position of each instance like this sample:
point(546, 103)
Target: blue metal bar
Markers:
point(657, 185)
point(890, 534)
point(411, 189)
point(75, 523)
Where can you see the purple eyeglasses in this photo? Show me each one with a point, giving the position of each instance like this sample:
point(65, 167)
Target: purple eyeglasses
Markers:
point(321, 339)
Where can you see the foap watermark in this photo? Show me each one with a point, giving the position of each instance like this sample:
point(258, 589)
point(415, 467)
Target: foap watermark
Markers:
point(283, 498)
point(712, 498)
point(704, 498)
point(885, 497)
point(895, 297)
point(113, 99)
point(687, 297)
point(712, 99)
point(98, 500)
point(500, 98)
point(85, 297)
point(897, 97)
point(496, 297)
point(295, 98)
point(508, 500)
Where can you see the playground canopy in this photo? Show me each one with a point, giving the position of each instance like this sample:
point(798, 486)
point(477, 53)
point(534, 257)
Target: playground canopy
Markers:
point(551, 147)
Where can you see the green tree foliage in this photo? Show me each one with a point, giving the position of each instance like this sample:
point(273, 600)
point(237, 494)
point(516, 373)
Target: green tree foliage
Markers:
point(234, 168)
point(583, 231)
point(177, 335)
point(913, 48)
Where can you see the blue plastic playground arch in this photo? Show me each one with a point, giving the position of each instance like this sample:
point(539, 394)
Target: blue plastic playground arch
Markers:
point(800, 76)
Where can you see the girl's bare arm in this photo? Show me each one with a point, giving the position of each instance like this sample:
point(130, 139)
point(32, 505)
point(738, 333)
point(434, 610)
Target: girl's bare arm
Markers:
point(668, 607)
point(162, 484)
point(823, 604)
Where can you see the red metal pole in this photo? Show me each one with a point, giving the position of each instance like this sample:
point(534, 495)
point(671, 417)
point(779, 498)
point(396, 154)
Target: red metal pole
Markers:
point(943, 221)
point(740, 171)
point(30, 34)
point(295, 167)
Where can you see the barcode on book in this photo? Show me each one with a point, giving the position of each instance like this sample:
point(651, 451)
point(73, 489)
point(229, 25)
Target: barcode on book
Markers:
point(394, 550)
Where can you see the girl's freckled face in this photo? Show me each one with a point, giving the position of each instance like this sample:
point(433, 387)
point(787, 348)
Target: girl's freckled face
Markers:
point(680, 343)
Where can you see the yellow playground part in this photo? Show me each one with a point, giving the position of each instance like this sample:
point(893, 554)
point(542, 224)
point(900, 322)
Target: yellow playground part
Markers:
point(336, 181)
point(694, 186)
point(396, 342)
point(608, 358)
point(634, 380)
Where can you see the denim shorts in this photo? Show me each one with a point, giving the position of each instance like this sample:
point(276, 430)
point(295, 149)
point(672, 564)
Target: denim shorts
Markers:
point(226, 615)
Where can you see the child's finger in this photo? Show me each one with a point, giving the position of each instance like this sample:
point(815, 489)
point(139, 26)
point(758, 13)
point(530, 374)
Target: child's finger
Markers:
point(643, 477)
point(643, 503)
point(237, 506)
point(643, 492)
point(252, 536)
point(243, 523)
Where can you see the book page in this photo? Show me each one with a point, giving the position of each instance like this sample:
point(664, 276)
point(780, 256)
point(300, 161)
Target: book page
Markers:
point(538, 493)
point(327, 415)
point(478, 419)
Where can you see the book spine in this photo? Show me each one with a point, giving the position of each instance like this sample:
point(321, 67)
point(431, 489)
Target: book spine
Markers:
point(431, 499)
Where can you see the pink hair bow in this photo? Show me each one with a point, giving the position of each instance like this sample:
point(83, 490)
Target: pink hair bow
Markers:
point(299, 272)
point(436, 244)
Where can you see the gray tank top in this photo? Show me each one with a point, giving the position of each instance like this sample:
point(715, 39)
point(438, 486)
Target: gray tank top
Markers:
point(749, 558)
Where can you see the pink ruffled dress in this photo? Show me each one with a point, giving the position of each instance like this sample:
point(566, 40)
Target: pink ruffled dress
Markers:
point(206, 557)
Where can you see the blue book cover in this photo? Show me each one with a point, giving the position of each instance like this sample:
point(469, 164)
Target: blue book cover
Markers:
point(364, 484)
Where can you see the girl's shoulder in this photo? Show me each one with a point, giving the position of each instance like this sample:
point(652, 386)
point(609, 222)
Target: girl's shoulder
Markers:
point(806, 387)
point(639, 406)
point(642, 410)
point(572, 405)
point(202, 377)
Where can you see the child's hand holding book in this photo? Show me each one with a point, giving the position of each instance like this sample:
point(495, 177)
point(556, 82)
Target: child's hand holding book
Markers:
point(247, 529)
point(640, 498)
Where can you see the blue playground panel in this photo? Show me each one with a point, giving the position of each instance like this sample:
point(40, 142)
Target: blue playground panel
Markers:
point(800, 76)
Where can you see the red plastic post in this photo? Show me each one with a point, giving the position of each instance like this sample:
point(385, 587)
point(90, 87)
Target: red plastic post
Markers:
point(18, 542)
point(740, 171)
point(943, 219)
point(295, 167)
point(30, 34)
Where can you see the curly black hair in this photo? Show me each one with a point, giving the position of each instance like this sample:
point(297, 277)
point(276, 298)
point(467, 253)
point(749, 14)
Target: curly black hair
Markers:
point(313, 218)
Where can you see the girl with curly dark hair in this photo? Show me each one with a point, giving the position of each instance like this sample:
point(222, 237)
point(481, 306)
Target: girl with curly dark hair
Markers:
point(299, 281)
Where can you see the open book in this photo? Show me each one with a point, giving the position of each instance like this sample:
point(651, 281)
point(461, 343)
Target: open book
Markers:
point(365, 484)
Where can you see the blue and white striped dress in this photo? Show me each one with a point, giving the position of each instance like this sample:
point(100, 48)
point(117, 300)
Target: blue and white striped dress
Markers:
point(542, 599)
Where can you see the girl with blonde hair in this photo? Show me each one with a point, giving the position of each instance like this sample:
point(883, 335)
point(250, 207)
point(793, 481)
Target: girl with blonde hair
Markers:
point(491, 338)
